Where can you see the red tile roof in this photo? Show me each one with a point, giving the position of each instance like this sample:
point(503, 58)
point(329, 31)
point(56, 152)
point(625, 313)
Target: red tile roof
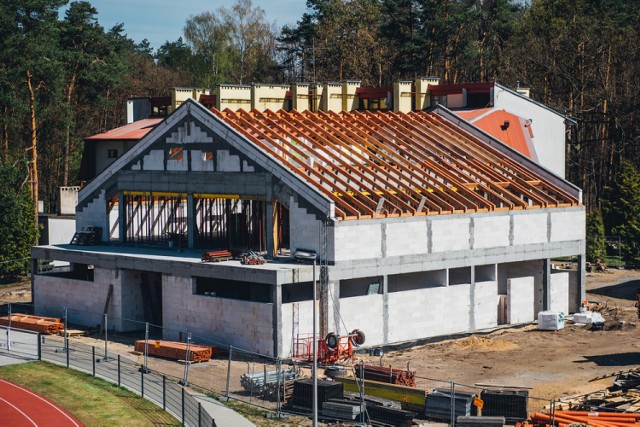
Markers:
point(505, 127)
point(132, 131)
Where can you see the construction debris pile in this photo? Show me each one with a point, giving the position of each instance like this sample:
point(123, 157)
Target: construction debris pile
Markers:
point(622, 396)
point(45, 325)
point(252, 258)
point(175, 350)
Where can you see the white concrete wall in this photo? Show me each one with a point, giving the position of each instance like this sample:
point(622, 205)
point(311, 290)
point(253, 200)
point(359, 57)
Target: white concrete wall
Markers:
point(548, 128)
point(364, 313)
point(450, 234)
point(485, 311)
point(428, 312)
point(520, 293)
point(85, 300)
point(61, 230)
point(530, 228)
point(243, 324)
point(406, 238)
point(567, 226)
point(491, 231)
point(559, 298)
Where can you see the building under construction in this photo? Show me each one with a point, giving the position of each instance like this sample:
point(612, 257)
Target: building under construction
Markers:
point(422, 226)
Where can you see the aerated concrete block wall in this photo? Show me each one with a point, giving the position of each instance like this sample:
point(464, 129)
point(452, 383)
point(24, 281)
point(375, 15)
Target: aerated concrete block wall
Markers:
point(364, 313)
point(85, 300)
point(428, 312)
point(520, 292)
point(304, 229)
point(396, 237)
point(296, 322)
point(94, 215)
point(486, 305)
point(132, 302)
point(243, 324)
point(559, 298)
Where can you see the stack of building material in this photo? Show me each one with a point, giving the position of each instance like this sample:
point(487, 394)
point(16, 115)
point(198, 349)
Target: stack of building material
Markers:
point(341, 410)
point(511, 404)
point(472, 421)
point(387, 375)
point(303, 392)
point(45, 325)
point(390, 416)
point(175, 350)
point(216, 256)
point(438, 405)
point(410, 399)
point(622, 396)
point(594, 419)
point(266, 384)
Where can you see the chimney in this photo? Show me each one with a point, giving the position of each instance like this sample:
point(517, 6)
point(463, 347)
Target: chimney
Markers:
point(350, 100)
point(402, 96)
point(316, 96)
point(300, 99)
point(423, 99)
point(332, 97)
point(268, 97)
point(233, 97)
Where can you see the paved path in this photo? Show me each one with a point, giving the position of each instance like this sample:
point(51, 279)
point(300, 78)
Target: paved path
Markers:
point(223, 416)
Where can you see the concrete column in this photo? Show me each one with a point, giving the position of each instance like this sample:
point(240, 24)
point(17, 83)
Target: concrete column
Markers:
point(191, 221)
point(276, 299)
point(122, 218)
point(472, 299)
point(546, 284)
point(582, 279)
point(385, 308)
point(269, 227)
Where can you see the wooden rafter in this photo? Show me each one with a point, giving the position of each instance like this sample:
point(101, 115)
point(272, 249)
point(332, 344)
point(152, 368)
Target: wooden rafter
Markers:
point(383, 164)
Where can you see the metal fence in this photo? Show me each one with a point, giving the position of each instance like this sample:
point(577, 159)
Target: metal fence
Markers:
point(232, 373)
point(164, 391)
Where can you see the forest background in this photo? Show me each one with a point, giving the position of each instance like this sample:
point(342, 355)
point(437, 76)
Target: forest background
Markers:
point(64, 77)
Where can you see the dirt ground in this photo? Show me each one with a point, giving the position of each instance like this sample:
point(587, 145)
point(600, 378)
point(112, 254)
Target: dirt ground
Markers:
point(552, 363)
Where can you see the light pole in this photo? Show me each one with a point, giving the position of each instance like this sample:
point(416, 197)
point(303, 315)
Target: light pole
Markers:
point(305, 255)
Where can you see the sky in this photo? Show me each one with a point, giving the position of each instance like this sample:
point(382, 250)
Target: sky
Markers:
point(162, 20)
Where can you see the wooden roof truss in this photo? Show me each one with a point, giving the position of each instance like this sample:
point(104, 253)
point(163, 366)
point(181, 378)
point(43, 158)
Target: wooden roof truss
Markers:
point(383, 164)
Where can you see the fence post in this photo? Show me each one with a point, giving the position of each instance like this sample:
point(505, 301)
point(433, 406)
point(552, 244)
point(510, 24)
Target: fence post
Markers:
point(118, 370)
point(93, 359)
point(279, 374)
point(142, 383)
point(182, 405)
point(66, 336)
point(106, 328)
point(39, 347)
point(9, 331)
point(199, 413)
point(553, 412)
point(67, 354)
point(229, 373)
point(453, 404)
point(164, 393)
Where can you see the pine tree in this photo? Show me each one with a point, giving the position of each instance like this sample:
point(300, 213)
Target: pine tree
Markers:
point(595, 237)
point(622, 211)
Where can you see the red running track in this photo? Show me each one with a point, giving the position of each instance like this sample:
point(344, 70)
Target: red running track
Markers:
point(20, 407)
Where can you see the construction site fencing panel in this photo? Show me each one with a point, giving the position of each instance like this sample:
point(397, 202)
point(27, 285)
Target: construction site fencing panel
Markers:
point(19, 341)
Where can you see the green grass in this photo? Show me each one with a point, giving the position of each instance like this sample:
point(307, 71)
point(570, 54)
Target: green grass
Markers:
point(93, 401)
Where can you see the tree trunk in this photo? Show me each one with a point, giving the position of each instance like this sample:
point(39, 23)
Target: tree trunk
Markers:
point(5, 135)
point(34, 148)
point(67, 142)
